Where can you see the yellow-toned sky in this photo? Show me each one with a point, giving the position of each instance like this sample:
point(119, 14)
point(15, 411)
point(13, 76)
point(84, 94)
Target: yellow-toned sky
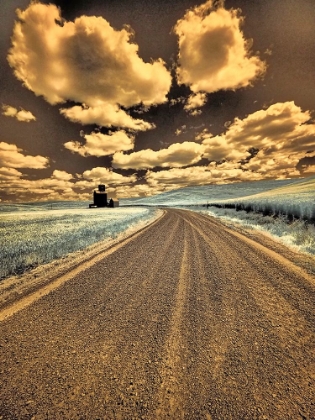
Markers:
point(149, 96)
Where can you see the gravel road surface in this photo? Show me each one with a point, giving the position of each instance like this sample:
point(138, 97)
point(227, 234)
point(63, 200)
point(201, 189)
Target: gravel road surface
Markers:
point(189, 320)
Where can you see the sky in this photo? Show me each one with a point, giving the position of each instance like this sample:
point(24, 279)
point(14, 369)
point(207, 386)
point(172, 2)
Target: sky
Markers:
point(147, 96)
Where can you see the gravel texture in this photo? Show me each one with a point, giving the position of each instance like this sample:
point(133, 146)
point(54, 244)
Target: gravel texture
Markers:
point(189, 320)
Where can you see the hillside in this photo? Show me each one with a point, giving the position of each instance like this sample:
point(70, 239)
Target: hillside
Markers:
point(295, 200)
point(208, 193)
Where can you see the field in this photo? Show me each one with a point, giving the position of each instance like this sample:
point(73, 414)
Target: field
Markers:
point(295, 201)
point(201, 194)
point(286, 213)
point(37, 234)
point(284, 209)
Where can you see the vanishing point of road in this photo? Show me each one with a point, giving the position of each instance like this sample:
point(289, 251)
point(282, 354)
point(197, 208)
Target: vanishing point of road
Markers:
point(188, 319)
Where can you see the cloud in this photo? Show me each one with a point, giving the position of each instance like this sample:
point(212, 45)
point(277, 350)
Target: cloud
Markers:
point(203, 135)
point(195, 112)
point(103, 175)
point(219, 148)
point(57, 187)
point(140, 190)
point(229, 172)
point(22, 115)
point(176, 155)
point(213, 53)
point(86, 61)
point(175, 101)
point(282, 134)
point(61, 175)
point(309, 169)
point(281, 123)
point(180, 130)
point(61, 185)
point(199, 175)
point(195, 101)
point(180, 177)
point(278, 165)
point(105, 115)
point(11, 157)
point(98, 144)
point(9, 174)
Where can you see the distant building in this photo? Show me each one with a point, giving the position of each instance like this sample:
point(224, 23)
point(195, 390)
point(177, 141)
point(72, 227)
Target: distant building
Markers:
point(113, 203)
point(100, 198)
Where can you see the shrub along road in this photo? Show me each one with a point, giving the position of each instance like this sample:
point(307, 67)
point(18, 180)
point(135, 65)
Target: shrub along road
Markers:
point(188, 320)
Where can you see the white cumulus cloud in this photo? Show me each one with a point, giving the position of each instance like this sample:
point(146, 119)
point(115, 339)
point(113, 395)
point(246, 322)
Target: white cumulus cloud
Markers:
point(57, 187)
point(138, 190)
point(105, 176)
point(176, 155)
point(195, 101)
point(86, 61)
point(105, 115)
point(11, 157)
point(198, 175)
point(180, 177)
point(22, 115)
point(98, 144)
point(213, 53)
point(61, 175)
point(9, 174)
point(281, 134)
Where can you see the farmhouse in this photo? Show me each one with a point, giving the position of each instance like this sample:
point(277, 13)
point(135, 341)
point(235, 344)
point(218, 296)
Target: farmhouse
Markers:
point(100, 198)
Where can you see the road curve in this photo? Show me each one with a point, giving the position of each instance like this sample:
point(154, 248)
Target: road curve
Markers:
point(188, 320)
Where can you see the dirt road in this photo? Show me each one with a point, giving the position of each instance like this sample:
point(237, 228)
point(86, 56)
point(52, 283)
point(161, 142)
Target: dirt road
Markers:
point(188, 320)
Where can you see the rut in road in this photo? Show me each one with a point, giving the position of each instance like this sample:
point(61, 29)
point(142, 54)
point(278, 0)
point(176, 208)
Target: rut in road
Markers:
point(189, 320)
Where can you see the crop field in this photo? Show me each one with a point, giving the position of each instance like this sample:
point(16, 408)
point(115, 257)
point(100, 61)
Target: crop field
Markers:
point(36, 233)
point(36, 236)
point(202, 194)
point(287, 213)
point(295, 201)
point(284, 209)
